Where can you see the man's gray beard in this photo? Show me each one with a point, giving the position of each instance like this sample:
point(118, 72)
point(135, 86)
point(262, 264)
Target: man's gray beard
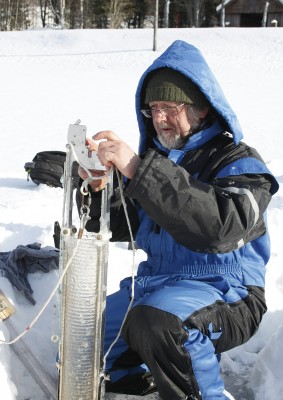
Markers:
point(171, 142)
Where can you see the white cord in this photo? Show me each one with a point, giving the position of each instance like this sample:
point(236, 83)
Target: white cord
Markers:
point(46, 303)
point(58, 283)
point(133, 273)
point(65, 271)
point(84, 187)
point(86, 182)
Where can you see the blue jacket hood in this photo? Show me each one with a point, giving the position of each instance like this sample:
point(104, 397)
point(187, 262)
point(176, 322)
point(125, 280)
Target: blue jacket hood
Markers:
point(188, 60)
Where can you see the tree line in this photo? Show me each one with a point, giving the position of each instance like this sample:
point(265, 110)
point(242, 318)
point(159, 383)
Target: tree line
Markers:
point(95, 14)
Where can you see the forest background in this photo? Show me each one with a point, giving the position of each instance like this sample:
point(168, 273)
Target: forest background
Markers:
point(95, 14)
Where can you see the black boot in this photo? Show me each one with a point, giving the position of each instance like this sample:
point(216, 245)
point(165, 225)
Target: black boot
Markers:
point(138, 384)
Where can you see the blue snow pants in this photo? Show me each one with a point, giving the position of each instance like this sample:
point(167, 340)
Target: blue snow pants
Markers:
point(177, 328)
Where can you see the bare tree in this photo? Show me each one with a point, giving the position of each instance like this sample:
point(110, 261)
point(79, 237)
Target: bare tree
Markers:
point(166, 13)
point(116, 11)
point(14, 15)
point(194, 8)
point(136, 13)
point(82, 14)
point(56, 7)
point(264, 18)
point(43, 11)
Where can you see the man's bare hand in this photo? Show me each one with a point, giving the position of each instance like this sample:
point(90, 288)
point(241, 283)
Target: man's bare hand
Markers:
point(113, 151)
point(97, 184)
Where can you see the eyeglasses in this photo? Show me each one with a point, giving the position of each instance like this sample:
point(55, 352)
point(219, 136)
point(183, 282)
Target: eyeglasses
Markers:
point(170, 111)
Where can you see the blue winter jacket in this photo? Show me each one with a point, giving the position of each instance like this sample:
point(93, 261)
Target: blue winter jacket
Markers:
point(232, 202)
point(199, 215)
point(198, 212)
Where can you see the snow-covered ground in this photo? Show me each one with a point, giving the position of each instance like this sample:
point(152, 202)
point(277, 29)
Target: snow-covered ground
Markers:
point(50, 79)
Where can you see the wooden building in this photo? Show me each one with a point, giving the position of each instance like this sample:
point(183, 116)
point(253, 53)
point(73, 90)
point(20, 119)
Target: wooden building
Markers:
point(251, 13)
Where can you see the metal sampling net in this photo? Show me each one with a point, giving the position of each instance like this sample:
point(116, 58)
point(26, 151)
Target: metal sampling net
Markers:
point(83, 306)
point(83, 261)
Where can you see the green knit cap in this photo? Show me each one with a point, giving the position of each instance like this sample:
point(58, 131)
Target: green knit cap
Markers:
point(166, 84)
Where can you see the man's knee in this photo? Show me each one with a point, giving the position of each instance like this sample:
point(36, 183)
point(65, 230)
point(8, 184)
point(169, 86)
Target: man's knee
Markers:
point(149, 327)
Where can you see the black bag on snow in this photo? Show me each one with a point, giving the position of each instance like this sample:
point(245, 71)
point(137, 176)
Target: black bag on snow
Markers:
point(48, 167)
